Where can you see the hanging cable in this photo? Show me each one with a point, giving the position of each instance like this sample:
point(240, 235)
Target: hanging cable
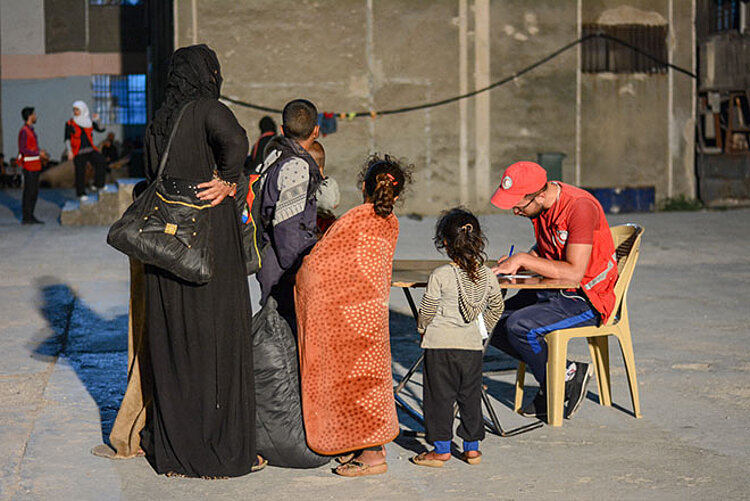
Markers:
point(540, 62)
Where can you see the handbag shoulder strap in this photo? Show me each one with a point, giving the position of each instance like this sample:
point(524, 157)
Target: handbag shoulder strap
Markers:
point(163, 162)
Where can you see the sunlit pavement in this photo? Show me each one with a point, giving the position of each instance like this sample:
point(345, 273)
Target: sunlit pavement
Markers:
point(63, 350)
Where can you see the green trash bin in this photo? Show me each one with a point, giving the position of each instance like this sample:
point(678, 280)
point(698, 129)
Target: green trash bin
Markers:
point(552, 163)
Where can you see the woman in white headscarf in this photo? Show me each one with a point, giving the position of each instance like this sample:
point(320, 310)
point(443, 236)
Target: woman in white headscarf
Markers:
point(79, 143)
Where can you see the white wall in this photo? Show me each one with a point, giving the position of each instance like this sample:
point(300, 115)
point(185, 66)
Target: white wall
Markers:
point(52, 100)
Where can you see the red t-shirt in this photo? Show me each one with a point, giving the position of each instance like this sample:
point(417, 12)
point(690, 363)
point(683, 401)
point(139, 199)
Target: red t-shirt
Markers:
point(577, 218)
point(583, 220)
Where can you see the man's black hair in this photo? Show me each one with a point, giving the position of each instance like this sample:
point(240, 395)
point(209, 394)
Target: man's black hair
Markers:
point(299, 119)
point(267, 124)
point(27, 112)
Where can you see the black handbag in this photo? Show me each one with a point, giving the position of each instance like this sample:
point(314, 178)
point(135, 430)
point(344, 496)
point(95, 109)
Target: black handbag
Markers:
point(167, 228)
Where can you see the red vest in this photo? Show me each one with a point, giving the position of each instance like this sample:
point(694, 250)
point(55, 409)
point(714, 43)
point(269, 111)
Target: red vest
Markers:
point(551, 229)
point(75, 138)
point(255, 148)
point(31, 162)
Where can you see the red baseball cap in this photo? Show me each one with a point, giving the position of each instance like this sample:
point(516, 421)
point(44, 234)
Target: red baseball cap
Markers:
point(518, 180)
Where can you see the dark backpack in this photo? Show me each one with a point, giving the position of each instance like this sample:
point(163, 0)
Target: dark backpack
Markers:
point(248, 198)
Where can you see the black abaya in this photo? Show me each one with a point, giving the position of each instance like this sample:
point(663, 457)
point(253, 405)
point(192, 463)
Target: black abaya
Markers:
point(202, 422)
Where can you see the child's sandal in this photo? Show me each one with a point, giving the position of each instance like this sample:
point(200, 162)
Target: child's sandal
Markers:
point(471, 459)
point(421, 459)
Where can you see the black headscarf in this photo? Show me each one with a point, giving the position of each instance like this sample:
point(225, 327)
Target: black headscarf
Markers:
point(194, 73)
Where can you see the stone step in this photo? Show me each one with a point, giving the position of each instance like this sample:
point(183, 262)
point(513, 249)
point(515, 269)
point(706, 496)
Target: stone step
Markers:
point(102, 208)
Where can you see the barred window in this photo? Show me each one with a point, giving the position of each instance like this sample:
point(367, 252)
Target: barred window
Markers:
point(723, 15)
point(119, 99)
point(601, 55)
point(115, 2)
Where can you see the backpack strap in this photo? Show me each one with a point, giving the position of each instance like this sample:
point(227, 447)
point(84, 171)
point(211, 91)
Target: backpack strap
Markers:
point(164, 157)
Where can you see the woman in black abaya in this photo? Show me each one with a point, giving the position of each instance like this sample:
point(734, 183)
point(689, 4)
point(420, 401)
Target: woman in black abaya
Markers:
point(202, 421)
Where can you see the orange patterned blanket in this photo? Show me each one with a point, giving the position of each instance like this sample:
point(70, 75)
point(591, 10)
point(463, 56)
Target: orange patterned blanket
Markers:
point(341, 296)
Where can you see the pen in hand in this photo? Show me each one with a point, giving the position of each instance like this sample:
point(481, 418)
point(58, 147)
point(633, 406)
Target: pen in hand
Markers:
point(511, 250)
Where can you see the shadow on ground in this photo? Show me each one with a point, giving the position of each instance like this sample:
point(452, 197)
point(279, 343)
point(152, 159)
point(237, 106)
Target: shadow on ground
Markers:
point(57, 196)
point(405, 351)
point(12, 203)
point(95, 347)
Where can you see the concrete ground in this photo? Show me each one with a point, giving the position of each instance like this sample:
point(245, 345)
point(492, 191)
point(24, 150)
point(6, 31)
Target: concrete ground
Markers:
point(63, 349)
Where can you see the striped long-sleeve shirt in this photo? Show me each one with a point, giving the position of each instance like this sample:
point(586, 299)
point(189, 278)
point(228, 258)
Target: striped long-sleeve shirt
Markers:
point(451, 306)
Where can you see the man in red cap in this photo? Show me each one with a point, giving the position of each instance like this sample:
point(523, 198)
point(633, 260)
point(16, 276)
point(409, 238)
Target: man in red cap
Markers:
point(573, 242)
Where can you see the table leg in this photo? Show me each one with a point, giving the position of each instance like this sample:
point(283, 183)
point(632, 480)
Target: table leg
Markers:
point(400, 401)
point(493, 423)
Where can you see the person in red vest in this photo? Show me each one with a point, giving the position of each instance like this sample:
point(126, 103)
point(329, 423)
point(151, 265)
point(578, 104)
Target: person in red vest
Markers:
point(267, 130)
point(79, 143)
point(30, 158)
point(573, 242)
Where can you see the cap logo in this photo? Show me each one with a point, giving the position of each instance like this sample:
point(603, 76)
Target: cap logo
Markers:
point(507, 183)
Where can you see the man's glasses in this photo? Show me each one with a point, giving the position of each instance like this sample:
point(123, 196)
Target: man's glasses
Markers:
point(519, 210)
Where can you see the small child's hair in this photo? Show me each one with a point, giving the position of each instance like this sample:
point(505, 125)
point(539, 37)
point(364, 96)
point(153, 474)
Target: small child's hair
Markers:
point(459, 234)
point(384, 180)
point(319, 155)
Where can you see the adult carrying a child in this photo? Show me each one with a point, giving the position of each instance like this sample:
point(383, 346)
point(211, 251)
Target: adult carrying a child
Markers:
point(202, 422)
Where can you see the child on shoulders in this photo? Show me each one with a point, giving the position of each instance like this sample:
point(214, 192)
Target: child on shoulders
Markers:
point(328, 194)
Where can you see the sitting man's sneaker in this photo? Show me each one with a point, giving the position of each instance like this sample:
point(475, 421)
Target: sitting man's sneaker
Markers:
point(537, 408)
point(575, 388)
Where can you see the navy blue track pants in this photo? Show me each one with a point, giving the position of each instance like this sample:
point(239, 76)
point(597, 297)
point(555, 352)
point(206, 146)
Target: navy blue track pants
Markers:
point(529, 315)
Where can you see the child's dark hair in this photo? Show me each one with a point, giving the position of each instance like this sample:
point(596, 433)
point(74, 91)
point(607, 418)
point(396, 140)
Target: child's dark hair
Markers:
point(384, 179)
point(459, 234)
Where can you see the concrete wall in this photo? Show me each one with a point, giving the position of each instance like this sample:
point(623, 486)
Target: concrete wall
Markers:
point(22, 26)
point(360, 55)
point(52, 100)
point(638, 129)
point(21, 32)
point(536, 112)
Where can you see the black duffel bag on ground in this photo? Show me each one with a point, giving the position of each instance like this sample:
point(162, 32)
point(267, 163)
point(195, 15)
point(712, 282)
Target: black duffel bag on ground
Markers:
point(168, 229)
point(280, 430)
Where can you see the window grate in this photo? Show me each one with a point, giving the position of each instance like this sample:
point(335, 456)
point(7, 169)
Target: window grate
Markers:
point(723, 15)
point(115, 2)
point(600, 55)
point(119, 99)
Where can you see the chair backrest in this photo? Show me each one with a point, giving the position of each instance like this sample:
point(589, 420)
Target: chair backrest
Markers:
point(627, 239)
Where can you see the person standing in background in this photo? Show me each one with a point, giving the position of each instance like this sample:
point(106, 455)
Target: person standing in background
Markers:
point(30, 158)
point(79, 143)
point(255, 158)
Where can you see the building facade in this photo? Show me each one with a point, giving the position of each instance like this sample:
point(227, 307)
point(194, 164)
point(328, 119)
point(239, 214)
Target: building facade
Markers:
point(613, 119)
point(55, 52)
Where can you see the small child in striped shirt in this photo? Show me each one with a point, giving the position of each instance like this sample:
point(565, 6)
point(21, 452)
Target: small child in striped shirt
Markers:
point(462, 302)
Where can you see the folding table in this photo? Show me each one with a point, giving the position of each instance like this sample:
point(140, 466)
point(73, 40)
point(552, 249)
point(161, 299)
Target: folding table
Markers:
point(412, 274)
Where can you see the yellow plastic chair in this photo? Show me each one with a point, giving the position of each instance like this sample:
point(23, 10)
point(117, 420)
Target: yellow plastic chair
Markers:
point(627, 239)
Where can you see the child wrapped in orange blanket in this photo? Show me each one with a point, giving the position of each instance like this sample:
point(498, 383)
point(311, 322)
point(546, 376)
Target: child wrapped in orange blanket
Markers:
point(341, 296)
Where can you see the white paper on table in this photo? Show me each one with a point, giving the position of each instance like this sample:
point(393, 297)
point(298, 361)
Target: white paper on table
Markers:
point(503, 275)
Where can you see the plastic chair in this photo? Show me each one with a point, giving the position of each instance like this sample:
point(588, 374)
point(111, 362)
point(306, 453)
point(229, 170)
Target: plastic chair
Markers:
point(627, 239)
